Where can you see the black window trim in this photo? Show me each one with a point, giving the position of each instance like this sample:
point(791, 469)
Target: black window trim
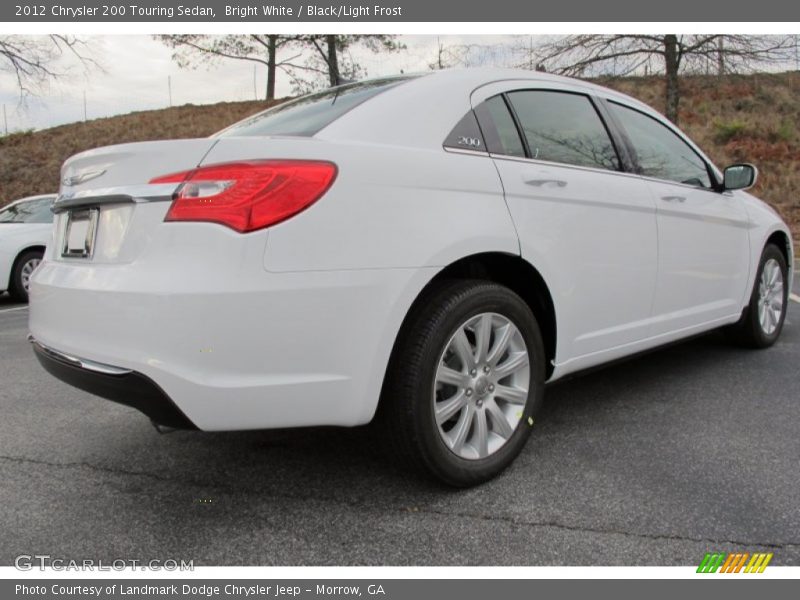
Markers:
point(636, 168)
point(623, 159)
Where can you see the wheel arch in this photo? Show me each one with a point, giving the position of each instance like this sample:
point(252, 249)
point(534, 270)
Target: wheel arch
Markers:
point(505, 269)
point(780, 239)
point(29, 248)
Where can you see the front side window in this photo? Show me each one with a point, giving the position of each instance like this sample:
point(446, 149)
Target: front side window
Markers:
point(30, 211)
point(564, 128)
point(659, 151)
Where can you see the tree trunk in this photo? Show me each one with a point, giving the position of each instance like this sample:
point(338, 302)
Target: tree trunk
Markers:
point(672, 60)
point(333, 60)
point(272, 52)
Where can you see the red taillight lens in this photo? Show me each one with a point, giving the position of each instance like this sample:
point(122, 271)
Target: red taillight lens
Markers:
point(247, 196)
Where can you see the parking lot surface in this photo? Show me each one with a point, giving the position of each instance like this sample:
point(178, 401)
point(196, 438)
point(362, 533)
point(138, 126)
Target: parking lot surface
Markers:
point(654, 461)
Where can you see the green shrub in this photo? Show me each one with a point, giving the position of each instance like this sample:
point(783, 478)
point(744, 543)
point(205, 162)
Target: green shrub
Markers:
point(724, 132)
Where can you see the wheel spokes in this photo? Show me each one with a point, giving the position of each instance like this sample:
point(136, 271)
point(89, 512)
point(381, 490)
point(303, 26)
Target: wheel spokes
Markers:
point(449, 376)
point(474, 413)
point(500, 424)
point(512, 395)
point(771, 297)
point(447, 409)
point(481, 434)
point(514, 362)
point(463, 349)
point(483, 334)
point(458, 434)
point(500, 345)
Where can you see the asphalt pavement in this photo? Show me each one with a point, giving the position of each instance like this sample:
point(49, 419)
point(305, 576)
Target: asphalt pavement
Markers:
point(654, 461)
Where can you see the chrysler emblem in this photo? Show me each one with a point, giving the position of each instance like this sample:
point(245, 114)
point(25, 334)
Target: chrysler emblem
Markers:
point(71, 180)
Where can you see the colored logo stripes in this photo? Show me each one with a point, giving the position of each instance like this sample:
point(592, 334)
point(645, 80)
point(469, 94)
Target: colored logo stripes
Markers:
point(734, 562)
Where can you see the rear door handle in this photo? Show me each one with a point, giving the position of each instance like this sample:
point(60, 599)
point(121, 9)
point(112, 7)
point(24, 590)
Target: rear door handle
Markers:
point(546, 182)
point(673, 198)
point(542, 177)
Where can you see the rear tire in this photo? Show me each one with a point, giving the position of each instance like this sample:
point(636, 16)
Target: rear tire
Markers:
point(762, 320)
point(465, 382)
point(24, 266)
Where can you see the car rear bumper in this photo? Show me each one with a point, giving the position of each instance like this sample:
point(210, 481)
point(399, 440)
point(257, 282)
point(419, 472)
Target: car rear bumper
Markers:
point(112, 383)
point(232, 350)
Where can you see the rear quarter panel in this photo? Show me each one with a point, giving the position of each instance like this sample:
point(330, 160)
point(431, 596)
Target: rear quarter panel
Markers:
point(390, 207)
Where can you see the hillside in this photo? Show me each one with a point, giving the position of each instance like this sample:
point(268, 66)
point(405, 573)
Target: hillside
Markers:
point(750, 118)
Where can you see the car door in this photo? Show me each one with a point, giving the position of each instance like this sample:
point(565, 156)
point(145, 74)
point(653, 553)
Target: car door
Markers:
point(703, 242)
point(589, 227)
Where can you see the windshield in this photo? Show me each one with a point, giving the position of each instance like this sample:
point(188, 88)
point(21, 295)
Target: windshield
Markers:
point(309, 114)
point(28, 211)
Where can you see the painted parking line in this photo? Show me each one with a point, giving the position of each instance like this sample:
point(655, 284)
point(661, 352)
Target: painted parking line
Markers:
point(5, 310)
point(795, 297)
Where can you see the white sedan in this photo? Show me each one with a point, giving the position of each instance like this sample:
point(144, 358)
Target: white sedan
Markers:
point(26, 227)
point(427, 251)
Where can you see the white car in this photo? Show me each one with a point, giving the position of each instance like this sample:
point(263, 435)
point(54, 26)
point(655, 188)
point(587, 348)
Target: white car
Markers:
point(425, 250)
point(26, 227)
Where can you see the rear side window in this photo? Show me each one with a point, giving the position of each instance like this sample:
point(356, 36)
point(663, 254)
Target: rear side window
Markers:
point(564, 128)
point(498, 128)
point(659, 151)
point(30, 211)
point(309, 114)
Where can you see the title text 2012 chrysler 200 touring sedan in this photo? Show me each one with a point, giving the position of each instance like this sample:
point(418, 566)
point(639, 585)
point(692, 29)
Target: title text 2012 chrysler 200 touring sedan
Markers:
point(426, 250)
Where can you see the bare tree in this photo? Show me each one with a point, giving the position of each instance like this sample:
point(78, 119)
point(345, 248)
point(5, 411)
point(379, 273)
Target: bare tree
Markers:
point(331, 56)
point(586, 55)
point(33, 60)
point(471, 55)
point(310, 57)
point(448, 56)
point(195, 50)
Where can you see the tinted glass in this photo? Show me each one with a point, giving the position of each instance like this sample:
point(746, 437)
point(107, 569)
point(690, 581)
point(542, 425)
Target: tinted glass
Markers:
point(565, 128)
point(501, 134)
point(466, 135)
point(309, 114)
point(30, 211)
point(661, 153)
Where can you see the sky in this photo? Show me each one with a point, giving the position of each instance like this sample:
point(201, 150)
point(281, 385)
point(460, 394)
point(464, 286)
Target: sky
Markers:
point(134, 71)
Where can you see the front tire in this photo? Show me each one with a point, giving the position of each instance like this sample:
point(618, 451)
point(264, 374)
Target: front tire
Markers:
point(465, 382)
point(21, 274)
point(762, 321)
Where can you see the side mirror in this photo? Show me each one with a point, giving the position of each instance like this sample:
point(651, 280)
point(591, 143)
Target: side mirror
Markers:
point(739, 177)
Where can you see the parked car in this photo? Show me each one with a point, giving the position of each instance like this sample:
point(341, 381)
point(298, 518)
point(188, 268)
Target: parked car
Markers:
point(25, 229)
point(427, 251)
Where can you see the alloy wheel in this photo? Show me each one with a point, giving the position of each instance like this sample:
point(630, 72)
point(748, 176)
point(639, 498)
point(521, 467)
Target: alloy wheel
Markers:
point(770, 296)
point(481, 386)
point(27, 270)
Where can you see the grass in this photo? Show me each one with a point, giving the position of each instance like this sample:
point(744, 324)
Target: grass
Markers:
point(736, 118)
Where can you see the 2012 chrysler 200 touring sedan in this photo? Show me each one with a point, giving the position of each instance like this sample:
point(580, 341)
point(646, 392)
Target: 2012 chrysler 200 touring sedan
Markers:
point(426, 250)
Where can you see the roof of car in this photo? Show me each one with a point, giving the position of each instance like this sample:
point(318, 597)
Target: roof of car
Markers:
point(422, 111)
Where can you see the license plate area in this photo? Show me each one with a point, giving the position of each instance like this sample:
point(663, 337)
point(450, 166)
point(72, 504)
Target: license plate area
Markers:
point(79, 233)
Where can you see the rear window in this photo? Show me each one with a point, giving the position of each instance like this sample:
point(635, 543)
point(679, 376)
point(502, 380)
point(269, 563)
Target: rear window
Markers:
point(309, 114)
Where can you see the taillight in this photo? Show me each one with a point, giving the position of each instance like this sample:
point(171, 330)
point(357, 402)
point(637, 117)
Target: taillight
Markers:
point(249, 195)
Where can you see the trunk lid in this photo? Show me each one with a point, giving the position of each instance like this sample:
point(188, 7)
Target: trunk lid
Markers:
point(107, 211)
point(129, 164)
